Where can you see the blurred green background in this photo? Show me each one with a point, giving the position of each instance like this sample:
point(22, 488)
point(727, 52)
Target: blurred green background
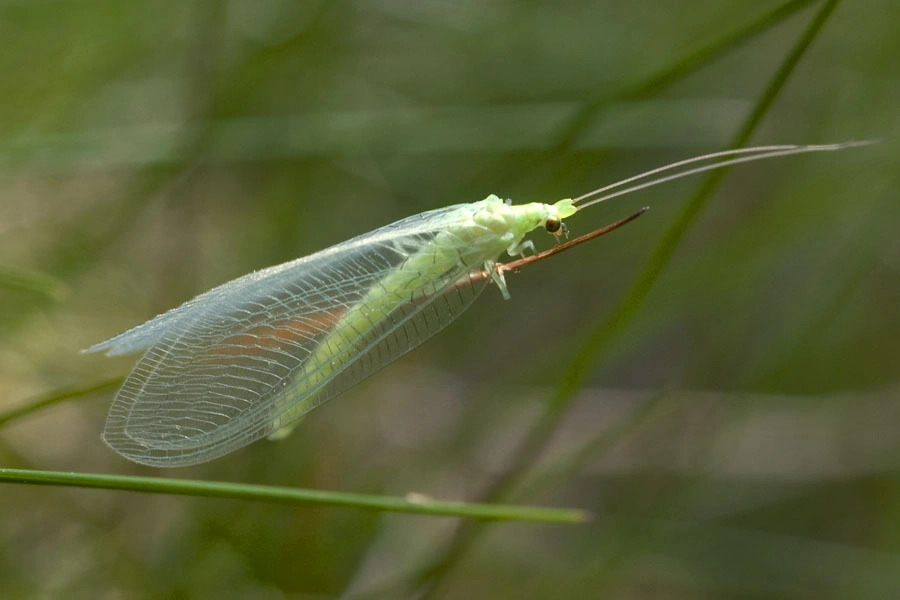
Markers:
point(717, 382)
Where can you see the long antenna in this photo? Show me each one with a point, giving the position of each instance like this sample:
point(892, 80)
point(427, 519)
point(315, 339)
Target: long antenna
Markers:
point(743, 155)
point(739, 155)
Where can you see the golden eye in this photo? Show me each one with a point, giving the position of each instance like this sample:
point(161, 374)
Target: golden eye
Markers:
point(552, 224)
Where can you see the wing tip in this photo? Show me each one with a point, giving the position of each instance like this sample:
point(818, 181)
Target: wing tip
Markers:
point(96, 348)
point(119, 345)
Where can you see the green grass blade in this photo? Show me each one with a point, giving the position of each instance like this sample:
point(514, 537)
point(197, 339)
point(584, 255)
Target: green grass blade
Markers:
point(20, 280)
point(604, 333)
point(293, 496)
point(55, 397)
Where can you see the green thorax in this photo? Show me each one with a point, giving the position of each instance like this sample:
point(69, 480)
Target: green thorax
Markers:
point(504, 226)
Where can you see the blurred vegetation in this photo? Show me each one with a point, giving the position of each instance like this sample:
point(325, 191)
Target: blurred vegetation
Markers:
point(717, 382)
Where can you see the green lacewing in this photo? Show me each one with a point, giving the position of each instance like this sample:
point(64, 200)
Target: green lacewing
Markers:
point(249, 358)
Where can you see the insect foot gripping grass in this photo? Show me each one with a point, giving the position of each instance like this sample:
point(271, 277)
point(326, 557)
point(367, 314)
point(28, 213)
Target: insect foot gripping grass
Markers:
point(249, 358)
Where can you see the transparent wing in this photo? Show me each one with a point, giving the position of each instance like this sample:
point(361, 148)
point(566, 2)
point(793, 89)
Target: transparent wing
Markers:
point(239, 362)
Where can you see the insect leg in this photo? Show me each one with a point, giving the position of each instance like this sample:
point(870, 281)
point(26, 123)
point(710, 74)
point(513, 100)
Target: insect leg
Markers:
point(497, 275)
